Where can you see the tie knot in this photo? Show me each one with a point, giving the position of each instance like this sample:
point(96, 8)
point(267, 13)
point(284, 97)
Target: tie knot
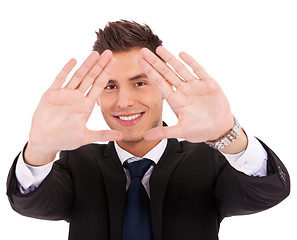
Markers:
point(138, 168)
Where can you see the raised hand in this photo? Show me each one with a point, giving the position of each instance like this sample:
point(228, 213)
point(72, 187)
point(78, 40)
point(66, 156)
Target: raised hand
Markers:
point(59, 122)
point(199, 103)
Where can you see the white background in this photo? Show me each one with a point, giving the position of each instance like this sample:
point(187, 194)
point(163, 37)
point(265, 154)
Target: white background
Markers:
point(249, 47)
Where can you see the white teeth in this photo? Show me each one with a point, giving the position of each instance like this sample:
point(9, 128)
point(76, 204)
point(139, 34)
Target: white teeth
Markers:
point(129, 118)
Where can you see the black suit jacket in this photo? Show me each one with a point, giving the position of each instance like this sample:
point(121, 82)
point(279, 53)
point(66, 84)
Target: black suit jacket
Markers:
point(192, 189)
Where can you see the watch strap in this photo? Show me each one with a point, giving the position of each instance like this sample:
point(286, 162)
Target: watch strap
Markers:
point(227, 138)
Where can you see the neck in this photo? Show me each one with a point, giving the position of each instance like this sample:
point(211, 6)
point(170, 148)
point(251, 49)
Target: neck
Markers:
point(138, 149)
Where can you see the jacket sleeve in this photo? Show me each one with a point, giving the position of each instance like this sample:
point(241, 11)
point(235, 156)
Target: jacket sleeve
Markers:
point(52, 200)
point(237, 193)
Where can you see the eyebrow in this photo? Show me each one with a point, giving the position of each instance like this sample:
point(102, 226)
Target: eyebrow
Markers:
point(138, 76)
point(142, 75)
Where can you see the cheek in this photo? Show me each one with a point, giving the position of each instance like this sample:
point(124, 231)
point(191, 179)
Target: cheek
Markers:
point(155, 104)
point(104, 103)
point(154, 94)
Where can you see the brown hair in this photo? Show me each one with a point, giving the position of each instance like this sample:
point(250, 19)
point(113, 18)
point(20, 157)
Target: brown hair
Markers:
point(124, 35)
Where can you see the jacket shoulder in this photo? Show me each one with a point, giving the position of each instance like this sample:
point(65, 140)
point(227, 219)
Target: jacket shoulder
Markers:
point(86, 150)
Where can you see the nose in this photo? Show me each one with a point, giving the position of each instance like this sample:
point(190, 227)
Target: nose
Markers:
point(125, 98)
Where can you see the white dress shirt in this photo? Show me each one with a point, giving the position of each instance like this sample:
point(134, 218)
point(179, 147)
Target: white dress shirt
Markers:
point(252, 162)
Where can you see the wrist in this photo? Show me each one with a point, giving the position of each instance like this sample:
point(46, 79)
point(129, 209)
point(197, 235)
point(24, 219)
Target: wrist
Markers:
point(37, 155)
point(235, 134)
point(238, 145)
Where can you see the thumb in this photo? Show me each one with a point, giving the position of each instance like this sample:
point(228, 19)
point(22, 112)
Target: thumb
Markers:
point(163, 133)
point(103, 135)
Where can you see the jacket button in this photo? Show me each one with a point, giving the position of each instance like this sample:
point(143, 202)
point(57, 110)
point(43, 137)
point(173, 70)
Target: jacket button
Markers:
point(281, 173)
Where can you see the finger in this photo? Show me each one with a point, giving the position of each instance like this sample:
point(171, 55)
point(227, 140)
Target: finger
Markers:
point(157, 79)
point(83, 70)
point(95, 71)
point(161, 67)
point(197, 68)
point(61, 77)
point(101, 81)
point(159, 133)
point(102, 135)
point(180, 68)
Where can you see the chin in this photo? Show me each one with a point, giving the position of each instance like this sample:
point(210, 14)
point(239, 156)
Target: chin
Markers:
point(132, 139)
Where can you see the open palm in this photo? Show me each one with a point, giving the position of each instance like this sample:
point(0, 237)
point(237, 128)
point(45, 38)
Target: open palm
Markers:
point(199, 103)
point(59, 122)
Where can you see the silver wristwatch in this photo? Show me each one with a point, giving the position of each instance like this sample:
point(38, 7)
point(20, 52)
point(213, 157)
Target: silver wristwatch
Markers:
point(228, 138)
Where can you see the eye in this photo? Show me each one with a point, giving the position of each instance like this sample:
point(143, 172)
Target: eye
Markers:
point(138, 84)
point(110, 87)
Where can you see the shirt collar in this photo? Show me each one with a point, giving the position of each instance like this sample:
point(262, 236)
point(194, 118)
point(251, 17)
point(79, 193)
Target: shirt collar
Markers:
point(154, 154)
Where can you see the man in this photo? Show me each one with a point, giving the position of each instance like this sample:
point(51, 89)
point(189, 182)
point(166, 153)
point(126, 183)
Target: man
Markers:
point(191, 185)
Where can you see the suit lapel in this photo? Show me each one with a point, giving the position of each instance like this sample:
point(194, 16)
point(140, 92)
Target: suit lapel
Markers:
point(158, 182)
point(115, 182)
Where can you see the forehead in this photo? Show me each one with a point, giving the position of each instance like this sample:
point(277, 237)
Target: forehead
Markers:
point(127, 64)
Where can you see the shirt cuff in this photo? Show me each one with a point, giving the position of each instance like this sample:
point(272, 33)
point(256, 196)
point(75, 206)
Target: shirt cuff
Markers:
point(252, 161)
point(30, 177)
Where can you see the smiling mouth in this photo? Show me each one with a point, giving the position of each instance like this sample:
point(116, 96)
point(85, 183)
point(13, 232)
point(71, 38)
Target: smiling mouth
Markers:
point(130, 117)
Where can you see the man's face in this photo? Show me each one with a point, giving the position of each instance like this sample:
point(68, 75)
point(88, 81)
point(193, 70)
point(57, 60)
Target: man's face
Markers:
point(130, 103)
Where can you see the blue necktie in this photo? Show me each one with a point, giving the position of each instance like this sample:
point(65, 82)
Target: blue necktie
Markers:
point(137, 217)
